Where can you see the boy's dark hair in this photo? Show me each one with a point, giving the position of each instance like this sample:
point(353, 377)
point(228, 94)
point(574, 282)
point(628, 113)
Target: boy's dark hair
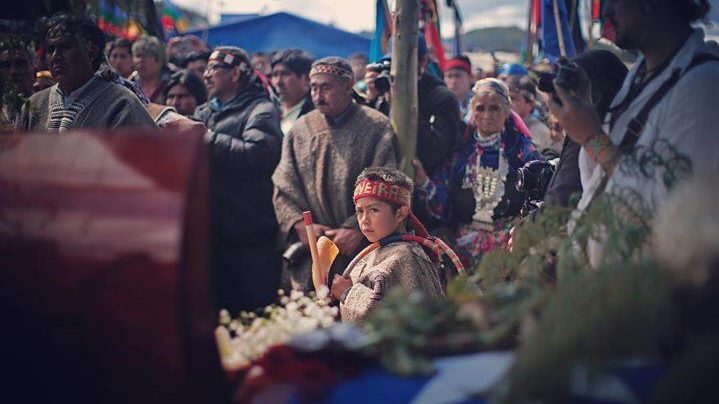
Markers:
point(296, 60)
point(191, 82)
point(63, 23)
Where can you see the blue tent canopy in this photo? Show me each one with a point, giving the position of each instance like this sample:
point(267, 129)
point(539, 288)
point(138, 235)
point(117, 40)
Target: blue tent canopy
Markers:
point(284, 30)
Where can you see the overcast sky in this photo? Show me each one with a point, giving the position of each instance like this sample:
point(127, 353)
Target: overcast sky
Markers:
point(359, 15)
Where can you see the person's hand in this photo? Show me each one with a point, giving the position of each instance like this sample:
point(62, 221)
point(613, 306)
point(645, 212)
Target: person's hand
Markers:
point(576, 114)
point(510, 243)
point(317, 229)
point(182, 124)
point(420, 175)
point(339, 285)
point(369, 77)
point(347, 240)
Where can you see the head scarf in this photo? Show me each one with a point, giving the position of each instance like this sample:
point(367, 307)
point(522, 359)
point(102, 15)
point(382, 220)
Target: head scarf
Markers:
point(495, 85)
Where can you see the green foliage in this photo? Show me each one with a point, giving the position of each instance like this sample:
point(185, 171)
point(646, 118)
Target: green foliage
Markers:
point(592, 319)
point(546, 293)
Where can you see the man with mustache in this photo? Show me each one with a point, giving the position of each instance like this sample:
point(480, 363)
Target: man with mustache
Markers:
point(244, 139)
point(322, 155)
point(290, 76)
point(81, 98)
point(663, 121)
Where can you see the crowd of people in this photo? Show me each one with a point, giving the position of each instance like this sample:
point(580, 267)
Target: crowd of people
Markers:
point(287, 134)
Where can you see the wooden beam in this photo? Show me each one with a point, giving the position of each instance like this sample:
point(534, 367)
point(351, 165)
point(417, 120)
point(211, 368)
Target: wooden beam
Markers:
point(404, 80)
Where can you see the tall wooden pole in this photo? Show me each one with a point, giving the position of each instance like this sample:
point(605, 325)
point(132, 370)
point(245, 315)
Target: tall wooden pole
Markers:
point(404, 80)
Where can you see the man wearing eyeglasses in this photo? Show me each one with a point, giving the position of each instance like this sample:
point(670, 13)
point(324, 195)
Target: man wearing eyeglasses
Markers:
point(244, 139)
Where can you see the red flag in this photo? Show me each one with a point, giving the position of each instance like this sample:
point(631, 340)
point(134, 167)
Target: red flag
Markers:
point(432, 32)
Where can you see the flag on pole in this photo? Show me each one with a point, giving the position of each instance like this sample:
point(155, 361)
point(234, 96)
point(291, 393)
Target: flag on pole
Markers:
point(382, 32)
point(429, 19)
point(173, 19)
point(457, 27)
point(555, 33)
point(116, 21)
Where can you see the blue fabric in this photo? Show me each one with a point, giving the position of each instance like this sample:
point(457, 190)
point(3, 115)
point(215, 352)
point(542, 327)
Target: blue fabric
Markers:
point(377, 386)
point(513, 69)
point(375, 49)
point(549, 35)
point(284, 30)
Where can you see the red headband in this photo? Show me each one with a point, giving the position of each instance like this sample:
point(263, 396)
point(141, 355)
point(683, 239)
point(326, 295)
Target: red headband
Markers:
point(383, 190)
point(458, 64)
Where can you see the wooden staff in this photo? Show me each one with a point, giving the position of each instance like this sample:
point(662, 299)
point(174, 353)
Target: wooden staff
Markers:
point(312, 241)
point(560, 34)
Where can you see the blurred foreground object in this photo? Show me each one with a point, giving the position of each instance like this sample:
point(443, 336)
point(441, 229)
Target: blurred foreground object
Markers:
point(104, 280)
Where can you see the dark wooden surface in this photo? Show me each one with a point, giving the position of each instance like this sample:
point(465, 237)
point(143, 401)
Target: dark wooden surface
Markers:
point(104, 278)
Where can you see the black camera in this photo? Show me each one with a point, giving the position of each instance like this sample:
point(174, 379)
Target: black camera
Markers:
point(381, 82)
point(295, 253)
point(532, 180)
point(567, 74)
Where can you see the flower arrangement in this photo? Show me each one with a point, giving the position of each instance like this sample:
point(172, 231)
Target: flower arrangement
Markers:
point(247, 337)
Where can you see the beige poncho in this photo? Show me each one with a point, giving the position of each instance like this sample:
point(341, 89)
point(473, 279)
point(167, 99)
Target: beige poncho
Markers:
point(400, 263)
point(318, 169)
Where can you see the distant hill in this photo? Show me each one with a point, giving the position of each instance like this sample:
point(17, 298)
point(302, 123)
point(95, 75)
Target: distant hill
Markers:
point(506, 39)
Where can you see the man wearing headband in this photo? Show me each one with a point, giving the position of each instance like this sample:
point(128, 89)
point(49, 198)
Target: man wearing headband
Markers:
point(244, 139)
point(459, 80)
point(322, 154)
point(382, 200)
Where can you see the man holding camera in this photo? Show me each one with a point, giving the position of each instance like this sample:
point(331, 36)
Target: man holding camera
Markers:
point(440, 127)
point(664, 117)
point(322, 155)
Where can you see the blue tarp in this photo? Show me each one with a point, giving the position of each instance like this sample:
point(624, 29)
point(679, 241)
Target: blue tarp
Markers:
point(284, 30)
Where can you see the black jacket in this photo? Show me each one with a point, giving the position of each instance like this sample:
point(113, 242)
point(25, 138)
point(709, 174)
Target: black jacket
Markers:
point(566, 180)
point(439, 125)
point(245, 140)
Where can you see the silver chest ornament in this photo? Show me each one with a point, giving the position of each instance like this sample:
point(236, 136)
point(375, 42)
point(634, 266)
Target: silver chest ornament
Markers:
point(487, 185)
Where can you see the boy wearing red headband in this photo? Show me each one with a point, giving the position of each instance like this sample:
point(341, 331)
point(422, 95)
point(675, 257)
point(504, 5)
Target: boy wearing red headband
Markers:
point(382, 200)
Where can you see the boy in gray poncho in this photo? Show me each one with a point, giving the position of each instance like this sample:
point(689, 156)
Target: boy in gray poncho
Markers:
point(382, 200)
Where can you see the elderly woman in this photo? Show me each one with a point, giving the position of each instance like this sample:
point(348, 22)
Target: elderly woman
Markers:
point(185, 92)
point(474, 192)
point(150, 63)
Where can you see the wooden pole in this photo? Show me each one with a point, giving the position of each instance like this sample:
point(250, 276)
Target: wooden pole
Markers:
point(404, 80)
point(560, 33)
